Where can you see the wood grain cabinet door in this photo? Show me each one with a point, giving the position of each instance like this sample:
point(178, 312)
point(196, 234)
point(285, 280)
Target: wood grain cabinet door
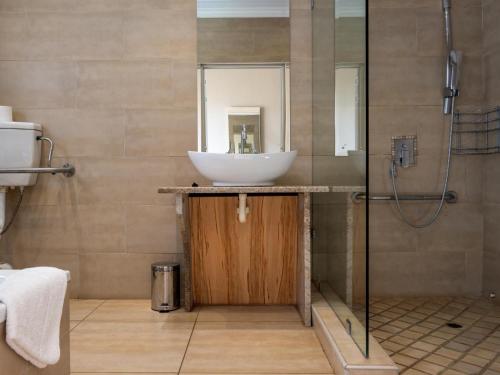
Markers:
point(244, 263)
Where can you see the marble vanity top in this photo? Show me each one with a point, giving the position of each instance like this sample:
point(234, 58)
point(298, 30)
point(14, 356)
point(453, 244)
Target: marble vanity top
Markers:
point(259, 189)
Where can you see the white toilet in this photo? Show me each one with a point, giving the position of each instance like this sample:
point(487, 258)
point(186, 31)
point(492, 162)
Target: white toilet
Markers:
point(19, 148)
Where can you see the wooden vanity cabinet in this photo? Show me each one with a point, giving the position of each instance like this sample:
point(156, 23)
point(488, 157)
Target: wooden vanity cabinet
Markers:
point(235, 263)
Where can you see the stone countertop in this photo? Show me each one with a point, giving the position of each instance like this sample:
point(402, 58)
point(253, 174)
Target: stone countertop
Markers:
point(259, 189)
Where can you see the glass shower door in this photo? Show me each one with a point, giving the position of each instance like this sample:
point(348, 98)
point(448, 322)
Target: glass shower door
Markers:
point(339, 153)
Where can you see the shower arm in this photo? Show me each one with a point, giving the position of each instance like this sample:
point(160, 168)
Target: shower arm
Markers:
point(447, 25)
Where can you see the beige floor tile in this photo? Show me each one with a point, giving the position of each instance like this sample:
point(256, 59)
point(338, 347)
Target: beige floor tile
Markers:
point(448, 353)
point(392, 346)
point(125, 373)
point(415, 353)
point(138, 311)
point(472, 359)
point(73, 324)
point(219, 347)
point(433, 340)
point(466, 368)
point(403, 360)
point(428, 367)
point(426, 347)
point(129, 346)
point(401, 340)
point(249, 314)
point(439, 360)
point(452, 372)
point(486, 354)
point(381, 334)
point(413, 372)
point(79, 309)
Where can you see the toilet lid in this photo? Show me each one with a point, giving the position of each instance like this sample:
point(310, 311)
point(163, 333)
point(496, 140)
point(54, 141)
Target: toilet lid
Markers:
point(10, 125)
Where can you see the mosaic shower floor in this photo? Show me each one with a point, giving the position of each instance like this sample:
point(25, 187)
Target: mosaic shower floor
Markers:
point(415, 332)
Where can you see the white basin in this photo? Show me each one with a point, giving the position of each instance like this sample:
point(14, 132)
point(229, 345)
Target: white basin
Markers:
point(242, 169)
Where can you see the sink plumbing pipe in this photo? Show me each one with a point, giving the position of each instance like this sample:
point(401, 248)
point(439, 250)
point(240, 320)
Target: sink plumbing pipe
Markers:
point(3, 193)
point(242, 209)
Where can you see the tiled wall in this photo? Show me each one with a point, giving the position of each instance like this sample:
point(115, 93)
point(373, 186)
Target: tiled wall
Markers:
point(246, 40)
point(114, 83)
point(406, 66)
point(491, 191)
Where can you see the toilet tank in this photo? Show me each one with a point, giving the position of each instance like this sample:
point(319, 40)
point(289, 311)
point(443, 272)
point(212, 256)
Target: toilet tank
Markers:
point(19, 148)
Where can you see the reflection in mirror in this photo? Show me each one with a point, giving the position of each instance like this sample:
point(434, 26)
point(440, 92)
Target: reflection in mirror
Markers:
point(347, 111)
point(243, 76)
point(235, 95)
point(244, 130)
point(349, 57)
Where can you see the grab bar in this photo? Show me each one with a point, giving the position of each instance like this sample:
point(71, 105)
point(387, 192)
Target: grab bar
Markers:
point(67, 170)
point(450, 197)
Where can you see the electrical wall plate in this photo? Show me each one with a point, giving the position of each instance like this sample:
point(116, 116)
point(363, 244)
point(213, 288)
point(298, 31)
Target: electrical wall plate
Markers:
point(404, 150)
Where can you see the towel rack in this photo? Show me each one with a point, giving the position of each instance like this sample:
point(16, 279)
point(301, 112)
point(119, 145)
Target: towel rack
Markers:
point(67, 170)
point(450, 197)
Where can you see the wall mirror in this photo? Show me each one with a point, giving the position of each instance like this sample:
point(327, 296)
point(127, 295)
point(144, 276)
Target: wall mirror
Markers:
point(349, 52)
point(243, 76)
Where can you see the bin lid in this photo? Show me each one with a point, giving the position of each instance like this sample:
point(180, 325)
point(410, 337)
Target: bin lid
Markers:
point(165, 266)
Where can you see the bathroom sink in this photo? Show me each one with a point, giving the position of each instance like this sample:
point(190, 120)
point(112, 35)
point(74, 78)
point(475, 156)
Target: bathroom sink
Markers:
point(242, 169)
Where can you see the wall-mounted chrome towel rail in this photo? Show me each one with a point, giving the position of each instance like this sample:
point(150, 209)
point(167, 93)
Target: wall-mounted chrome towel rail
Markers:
point(67, 170)
point(450, 197)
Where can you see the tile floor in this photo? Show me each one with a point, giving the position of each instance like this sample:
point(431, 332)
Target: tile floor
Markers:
point(415, 333)
point(125, 336)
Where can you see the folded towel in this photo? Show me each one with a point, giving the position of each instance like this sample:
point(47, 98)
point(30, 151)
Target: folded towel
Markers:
point(34, 298)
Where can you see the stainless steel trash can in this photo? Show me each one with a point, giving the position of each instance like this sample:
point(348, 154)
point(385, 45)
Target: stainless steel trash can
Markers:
point(165, 284)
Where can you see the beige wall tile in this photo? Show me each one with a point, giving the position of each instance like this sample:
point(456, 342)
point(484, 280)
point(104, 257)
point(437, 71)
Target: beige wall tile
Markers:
point(151, 229)
point(30, 84)
point(146, 36)
point(118, 275)
point(68, 35)
point(243, 40)
point(492, 80)
point(100, 228)
point(160, 133)
point(491, 12)
point(393, 32)
point(390, 79)
point(52, 190)
point(119, 180)
point(14, 36)
point(299, 173)
point(125, 85)
point(36, 258)
point(460, 228)
point(79, 133)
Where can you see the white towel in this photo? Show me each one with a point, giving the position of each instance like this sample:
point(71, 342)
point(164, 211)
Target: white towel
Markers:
point(34, 298)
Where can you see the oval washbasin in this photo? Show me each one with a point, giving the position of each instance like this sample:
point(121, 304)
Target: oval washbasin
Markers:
point(242, 169)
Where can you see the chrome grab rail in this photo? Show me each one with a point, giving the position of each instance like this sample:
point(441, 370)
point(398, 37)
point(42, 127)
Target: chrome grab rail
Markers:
point(67, 170)
point(450, 197)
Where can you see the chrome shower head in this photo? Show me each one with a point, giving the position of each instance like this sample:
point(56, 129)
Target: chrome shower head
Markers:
point(446, 4)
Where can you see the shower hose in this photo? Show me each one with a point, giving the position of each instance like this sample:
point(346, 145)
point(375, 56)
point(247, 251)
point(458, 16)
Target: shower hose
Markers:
point(437, 212)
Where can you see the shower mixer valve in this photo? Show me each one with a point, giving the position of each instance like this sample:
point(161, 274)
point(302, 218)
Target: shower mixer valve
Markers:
point(404, 151)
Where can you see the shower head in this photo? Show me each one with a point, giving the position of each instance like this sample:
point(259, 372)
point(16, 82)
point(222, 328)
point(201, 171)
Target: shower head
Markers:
point(446, 4)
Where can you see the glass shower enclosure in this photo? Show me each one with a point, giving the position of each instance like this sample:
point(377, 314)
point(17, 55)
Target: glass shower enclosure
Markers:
point(339, 159)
